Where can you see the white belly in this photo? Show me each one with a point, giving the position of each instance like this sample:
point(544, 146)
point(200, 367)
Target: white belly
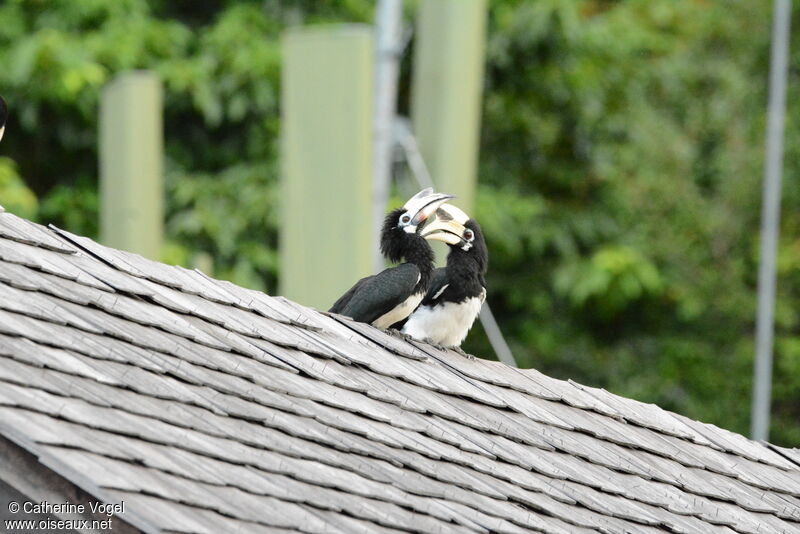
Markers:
point(399, 312)
point(445, 324)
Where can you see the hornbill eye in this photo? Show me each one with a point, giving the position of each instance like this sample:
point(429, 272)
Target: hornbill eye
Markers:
point(405, 219)
point(468, 235)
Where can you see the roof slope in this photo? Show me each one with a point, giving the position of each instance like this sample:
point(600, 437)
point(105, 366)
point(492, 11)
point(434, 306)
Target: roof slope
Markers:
point(207, 407)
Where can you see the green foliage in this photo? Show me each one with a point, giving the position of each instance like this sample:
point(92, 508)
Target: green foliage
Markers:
point(621, 159)
point(232, 213)
point(73, 206)
point(608, 282)
point(635, 128)
point(16, 196)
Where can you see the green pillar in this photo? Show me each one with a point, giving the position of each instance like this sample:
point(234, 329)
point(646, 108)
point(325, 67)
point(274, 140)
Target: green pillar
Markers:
point(446, 92)
point(131, 175)
point(326, 162)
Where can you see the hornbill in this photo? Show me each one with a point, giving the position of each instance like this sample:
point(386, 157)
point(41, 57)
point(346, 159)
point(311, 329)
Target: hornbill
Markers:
point(457, 291)
point(3, 116)
point(389, 296)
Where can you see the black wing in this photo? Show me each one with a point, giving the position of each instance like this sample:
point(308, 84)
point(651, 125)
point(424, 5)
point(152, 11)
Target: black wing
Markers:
point(438, 284)
point(342, 301)
point(375, 295)
point(442, 290)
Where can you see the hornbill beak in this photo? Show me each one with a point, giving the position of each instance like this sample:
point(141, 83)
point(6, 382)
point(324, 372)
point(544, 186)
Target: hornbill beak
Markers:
point(3, 116)
point(424, 204)
point(448, 226)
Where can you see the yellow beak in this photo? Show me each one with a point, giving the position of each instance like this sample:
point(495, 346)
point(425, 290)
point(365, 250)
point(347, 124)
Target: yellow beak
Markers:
point(448, 231)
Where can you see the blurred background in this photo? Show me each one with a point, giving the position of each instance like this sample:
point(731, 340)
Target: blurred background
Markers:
point(621, 153)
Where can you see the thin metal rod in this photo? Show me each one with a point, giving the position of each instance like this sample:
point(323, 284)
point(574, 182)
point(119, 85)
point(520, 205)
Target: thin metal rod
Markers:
point(495, 336)
point(406, 140)
point(388, 22)
point(770, 221)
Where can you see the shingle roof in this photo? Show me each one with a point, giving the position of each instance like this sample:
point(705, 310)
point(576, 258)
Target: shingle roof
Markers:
point(207, 407)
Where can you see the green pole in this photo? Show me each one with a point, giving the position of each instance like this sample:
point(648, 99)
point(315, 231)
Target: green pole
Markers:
point(326, 158)
point(446, 92)
point(446, 109)
point(131, 152)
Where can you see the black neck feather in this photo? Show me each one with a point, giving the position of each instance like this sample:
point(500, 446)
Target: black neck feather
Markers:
point(420, 254)
point(466, 268)
point(398, 246)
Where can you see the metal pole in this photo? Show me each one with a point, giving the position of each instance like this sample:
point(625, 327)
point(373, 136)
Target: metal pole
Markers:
point(3, 116)
point(496, 339)
point(388, 18)
point(770, 220)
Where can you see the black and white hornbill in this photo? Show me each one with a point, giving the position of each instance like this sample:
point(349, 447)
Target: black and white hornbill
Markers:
point(3, 116)
point(391, 295)
point(457, 291)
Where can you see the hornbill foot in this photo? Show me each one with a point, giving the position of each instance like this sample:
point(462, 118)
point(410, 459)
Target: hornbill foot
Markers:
point(459, 350)
point(397, 333)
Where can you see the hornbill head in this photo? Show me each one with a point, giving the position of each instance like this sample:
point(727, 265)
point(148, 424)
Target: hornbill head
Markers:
point(403, 225)
point(3, 116)
point(462, 234)
point(419, 207)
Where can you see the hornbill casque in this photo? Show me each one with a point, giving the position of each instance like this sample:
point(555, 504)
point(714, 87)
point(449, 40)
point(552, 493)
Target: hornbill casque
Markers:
point(3, 116)
point(385, 298)
point(456, 292)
